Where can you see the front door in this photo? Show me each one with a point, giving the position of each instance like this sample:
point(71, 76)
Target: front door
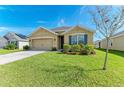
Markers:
point(99, 44)
point(61, 42)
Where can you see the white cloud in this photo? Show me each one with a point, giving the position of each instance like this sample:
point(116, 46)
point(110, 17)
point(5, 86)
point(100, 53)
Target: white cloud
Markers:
point(20, 30)
point(41, 21)
point(61, 22)
point(3, 29)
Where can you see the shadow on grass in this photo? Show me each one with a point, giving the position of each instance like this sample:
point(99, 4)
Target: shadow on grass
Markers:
point(60, 53)
point(68, 75)
point(69, 68)
point(115, 52)
point(93, 70)
point(62, 68)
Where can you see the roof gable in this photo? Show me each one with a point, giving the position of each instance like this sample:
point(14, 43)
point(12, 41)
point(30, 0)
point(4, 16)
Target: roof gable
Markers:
point(87, 29)
point(42, 28)
point(2, 39)
point(61, 30)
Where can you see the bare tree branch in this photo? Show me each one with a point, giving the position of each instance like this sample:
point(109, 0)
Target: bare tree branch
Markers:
point(108, 20)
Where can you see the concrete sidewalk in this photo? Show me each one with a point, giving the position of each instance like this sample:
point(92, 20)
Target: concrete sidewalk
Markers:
point(8, 58)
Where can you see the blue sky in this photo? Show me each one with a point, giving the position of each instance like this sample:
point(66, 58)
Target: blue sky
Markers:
point(25, 19)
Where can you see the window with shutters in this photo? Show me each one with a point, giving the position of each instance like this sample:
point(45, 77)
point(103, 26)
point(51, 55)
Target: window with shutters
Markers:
point(78, 39)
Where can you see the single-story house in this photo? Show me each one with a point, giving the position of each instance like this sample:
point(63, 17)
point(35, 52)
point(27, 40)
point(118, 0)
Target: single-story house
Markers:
point(3, 42)
point(46, 39)
point(116, 42)
point(97, 44)
point(18, 39)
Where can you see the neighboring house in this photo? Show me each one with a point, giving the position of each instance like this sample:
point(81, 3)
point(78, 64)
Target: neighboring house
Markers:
point(45, 39)
point(18, 39)
point(3, 42)
point(116, 42)
point(97, 44)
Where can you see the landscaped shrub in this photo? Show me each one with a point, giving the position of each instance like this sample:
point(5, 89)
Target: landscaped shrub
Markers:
point(82, 45)
point(79, 49)
point(89, 49)
point(67, 48)
point(83, 51)
point(93, 52)
point(26, 47)
point(75, 48)
point(54, 49)
point(10, 47)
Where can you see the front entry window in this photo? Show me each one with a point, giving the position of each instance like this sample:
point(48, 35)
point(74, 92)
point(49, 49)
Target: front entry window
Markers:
point(78, 39)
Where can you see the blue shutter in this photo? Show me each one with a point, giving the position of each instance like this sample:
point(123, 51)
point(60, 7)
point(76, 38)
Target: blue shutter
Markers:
point(85, 39)
point(70, 40)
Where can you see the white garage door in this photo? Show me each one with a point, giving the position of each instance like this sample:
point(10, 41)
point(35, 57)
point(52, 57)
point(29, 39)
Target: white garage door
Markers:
point(42, 44)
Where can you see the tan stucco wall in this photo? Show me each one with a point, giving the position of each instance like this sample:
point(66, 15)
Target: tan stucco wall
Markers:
point(79, 30)
point(103, 43)
point(117, 43)
point(43, 33)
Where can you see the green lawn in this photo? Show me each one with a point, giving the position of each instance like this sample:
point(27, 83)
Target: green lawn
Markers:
point(5, 51)
point(56, 69)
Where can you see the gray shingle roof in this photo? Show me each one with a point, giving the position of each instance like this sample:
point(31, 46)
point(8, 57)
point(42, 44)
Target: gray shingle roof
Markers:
point(11, 36)
point(59, 29)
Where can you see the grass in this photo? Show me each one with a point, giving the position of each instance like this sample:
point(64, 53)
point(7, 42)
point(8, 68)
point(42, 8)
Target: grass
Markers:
point(56, 69)
point(5, 51)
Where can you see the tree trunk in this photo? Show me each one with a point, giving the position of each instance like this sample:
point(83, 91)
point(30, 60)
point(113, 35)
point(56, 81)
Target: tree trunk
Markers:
point(106, 56)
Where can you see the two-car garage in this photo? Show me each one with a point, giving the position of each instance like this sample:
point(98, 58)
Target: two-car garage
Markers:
point(43, 39)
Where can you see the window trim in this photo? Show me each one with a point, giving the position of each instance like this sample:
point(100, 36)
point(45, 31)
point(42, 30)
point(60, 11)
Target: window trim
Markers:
point(77, 34)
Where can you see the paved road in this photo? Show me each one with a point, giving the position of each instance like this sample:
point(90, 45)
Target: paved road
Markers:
point(8, 58)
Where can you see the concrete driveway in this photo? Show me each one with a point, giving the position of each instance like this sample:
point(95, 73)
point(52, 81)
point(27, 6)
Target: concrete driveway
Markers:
point(8, 58)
